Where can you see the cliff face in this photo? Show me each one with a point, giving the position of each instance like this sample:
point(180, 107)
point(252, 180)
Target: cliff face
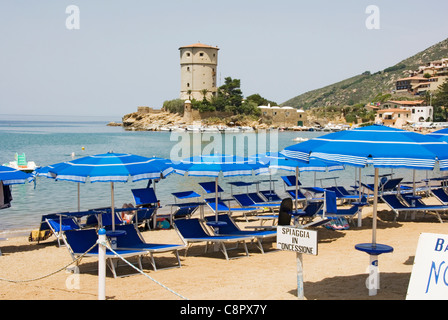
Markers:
point(140, 121)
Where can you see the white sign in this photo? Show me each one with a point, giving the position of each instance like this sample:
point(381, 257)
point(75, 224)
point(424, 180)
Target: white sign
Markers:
point(429, 278)
point(297, 240)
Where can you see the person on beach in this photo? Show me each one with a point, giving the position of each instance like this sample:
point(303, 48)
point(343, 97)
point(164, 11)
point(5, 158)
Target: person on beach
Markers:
point(127, 216)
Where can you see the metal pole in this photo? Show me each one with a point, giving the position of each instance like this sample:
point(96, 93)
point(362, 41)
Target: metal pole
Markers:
point(360, 197)
point(112, 204)
point(297, 188)
point(101, 265)
point(300, 292)
point(375, 206)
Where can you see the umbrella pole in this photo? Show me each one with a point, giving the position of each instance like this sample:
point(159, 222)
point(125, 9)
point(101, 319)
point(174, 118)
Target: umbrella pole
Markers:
point(297, 187)
point(79, 202)
point(360, 197)
point(375, 206)
point(216, 199)
point(112, 205)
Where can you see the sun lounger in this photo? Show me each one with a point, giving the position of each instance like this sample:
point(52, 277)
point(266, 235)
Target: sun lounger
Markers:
point(230, 228)
point(59, 225)
point(290, 181)
point(246, 202)
point(146, 198)
point(342, 194)
point(191, 231)
point(398, 206)
point(133, 240)
point(270, 196)
point(416, 202)
point(210, 187)
point(331, 209)
point(440, 194)
point(80, 241)
point(385, 186)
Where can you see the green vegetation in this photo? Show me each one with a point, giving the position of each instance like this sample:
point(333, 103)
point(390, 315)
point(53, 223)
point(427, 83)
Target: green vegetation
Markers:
point(368, 87)
point(229, 98)
point(440, 103)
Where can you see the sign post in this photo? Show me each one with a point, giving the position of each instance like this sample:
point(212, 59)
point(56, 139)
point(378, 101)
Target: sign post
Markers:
point(301, 241)
point(429, 277)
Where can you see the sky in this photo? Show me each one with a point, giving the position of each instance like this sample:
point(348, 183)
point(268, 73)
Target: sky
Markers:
point(125, 54)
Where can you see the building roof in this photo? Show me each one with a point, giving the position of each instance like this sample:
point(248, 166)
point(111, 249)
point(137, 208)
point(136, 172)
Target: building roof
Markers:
point(199, 45)
point(409, 103)
point(412, 78)
point(393, 110)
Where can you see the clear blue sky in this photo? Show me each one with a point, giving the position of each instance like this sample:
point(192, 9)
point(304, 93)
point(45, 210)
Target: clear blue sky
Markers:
point(125, 53)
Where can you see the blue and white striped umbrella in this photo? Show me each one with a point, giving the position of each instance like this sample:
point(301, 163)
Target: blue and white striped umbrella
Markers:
point(213, 165)
point(276, 160)
point(441, 135)
point(381, 146)
point(10, 176)
point(110, 167)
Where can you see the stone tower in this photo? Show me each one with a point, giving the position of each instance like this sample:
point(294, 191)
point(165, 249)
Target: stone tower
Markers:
point(198, 63)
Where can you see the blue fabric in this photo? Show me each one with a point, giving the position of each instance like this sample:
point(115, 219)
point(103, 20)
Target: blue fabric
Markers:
point(382, 146)
point(330, 202)
point(144, 196)
point(13, 176)
point(110, 167)
point(213, 165)
point(275, 160)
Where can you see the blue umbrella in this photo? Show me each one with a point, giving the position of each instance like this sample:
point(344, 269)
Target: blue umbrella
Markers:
point(381, 146)
point(110, 167)
point(276, 160)
point(440, 134)
point(213, 165)
point(13, 176)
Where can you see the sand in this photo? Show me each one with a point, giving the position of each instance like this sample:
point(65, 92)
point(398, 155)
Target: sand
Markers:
point(338, 272)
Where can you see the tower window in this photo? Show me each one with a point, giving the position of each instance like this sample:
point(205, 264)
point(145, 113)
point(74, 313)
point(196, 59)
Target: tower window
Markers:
point(188, 54)
point(188, 85)
point(201, 54)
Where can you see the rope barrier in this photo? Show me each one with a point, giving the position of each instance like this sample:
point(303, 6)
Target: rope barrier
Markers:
point(52, 273)
point(105, 244)
point(81, 256)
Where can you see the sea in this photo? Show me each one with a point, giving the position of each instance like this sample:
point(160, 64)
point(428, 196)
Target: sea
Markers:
point(48, 140)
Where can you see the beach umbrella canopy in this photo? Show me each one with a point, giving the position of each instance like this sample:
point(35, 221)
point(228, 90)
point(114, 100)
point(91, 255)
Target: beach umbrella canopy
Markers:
point(276, 160)
point(381, 146)
point(440, 134)
point(213, 165)
point(10, 176)
point(110, 167)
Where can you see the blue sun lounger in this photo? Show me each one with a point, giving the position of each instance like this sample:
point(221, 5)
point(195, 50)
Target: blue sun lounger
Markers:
point(398, 206)
point(441, 195)
point(59, 225)
point(332, 211)
point(80, 241)
point(191, 231)
point(230, 228)
point(133, 240)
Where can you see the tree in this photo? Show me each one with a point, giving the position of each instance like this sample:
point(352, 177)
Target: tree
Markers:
point(259, 100)
point(440, 102)
point(230, 92)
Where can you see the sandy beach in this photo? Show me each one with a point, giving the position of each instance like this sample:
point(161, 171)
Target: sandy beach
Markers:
point(338, 272)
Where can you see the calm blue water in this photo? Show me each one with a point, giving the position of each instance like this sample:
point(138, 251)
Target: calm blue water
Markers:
point(49, 139)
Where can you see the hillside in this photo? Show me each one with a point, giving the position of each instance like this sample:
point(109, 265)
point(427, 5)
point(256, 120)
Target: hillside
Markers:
point(363, 88)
